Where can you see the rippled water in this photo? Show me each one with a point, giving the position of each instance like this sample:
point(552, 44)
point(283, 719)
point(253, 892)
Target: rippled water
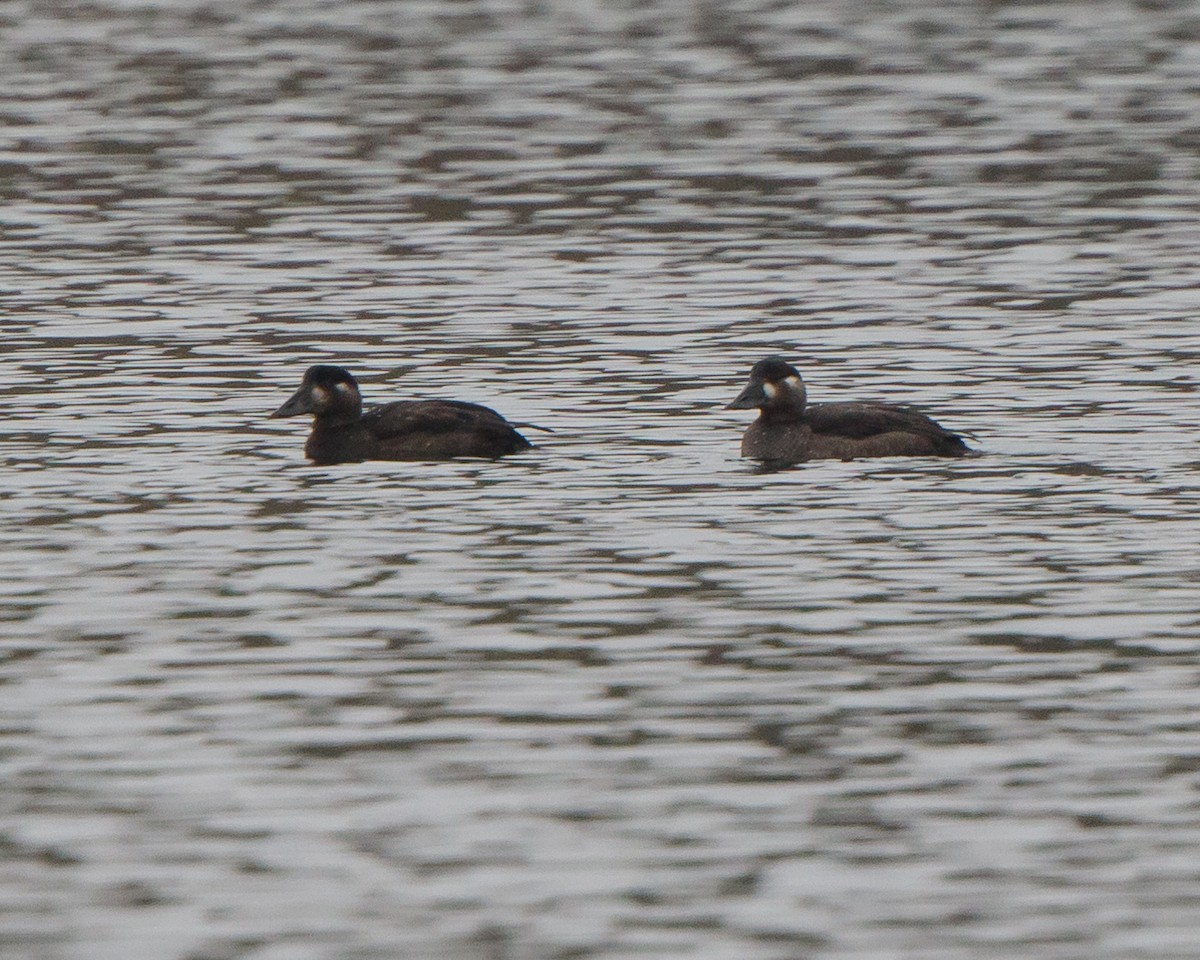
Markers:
point(622, 696)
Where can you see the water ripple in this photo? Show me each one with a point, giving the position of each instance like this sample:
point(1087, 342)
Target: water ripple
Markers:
point(624, 695)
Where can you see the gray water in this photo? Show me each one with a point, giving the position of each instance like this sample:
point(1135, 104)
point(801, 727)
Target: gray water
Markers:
point(622, 696)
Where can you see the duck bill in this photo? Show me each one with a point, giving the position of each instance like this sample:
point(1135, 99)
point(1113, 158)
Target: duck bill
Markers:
point(300, 403)
point(753, 397)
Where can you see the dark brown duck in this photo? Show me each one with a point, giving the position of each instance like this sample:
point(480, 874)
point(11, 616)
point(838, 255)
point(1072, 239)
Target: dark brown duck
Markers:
point(790, 430)
point(406, 430)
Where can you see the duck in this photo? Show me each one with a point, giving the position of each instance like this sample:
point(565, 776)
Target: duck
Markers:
point(789, 430)
point(343, 432)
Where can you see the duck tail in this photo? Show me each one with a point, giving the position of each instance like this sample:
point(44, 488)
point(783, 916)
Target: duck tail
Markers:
point(531, 426)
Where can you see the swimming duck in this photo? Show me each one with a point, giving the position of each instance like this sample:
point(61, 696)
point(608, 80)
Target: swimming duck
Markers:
point(405, 430)
point(788, 430)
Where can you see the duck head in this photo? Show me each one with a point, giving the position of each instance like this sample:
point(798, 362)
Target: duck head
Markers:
point(325, 392)
point(775, 385)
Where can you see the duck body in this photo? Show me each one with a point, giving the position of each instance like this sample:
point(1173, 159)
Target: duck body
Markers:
point(343, 432)
point(790, 430)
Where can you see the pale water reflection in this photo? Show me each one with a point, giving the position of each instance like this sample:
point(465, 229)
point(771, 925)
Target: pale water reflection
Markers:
point(623, 695)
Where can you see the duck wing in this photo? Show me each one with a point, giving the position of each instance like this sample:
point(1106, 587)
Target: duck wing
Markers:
point(429, 416)
point(434, 429)
point(861, 420)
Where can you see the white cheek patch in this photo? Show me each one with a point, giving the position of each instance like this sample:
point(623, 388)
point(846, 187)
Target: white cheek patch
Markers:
point(320, 396)
point(770, 390)
point(343, 389)
point(792, 382)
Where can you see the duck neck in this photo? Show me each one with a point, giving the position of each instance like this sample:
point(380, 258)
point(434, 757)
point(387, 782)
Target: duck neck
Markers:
point(341, 414)
point(334, 441)
point(787, 407)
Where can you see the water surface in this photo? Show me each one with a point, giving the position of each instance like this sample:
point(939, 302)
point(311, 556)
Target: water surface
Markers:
point(623, 696)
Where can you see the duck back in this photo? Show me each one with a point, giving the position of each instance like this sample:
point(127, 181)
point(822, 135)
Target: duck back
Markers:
point(439, 430)
point(880, 430)
point(848, 431)
point(416, 430)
